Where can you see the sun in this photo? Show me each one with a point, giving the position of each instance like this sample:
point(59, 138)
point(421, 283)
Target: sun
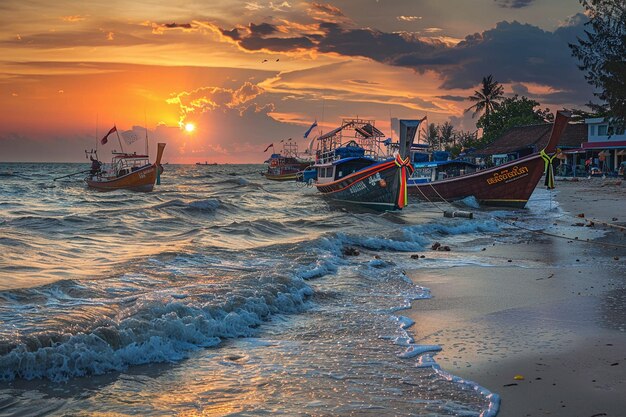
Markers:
point(190, 127)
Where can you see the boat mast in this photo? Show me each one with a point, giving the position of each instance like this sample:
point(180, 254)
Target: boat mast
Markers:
point(145, 118)
point(97, 135)
point(119, 140)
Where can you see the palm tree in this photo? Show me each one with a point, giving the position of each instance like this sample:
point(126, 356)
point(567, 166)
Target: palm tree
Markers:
point(486, 98)
point(446, 133)
point(432, 136)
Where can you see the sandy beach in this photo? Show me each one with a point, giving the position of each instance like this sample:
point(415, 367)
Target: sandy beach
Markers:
point(544, 325)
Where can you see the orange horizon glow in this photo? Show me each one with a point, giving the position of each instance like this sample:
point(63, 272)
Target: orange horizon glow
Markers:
point(203, 81)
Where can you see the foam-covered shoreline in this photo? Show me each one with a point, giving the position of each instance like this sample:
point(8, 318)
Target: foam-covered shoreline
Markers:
point(533, 312)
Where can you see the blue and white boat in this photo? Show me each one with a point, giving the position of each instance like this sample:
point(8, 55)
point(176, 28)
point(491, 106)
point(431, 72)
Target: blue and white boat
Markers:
point(353, 165)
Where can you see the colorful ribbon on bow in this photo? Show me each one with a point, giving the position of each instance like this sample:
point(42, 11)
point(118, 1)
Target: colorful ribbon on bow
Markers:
point(548, 168)
point(403, 164)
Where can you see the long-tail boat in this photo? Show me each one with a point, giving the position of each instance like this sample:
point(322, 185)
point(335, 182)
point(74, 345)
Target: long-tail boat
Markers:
point(352, 168)
point(285, 166)
point(128, 171)
point(508, 185)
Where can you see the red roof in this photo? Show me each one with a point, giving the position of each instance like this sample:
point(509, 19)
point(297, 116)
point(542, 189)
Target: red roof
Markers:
point(535, 137)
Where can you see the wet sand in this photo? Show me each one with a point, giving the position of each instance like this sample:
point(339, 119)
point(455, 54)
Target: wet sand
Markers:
point(547, 330)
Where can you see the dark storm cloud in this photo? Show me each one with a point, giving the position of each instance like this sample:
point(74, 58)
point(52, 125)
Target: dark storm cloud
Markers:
point(521, 53)
point(370, 43)
point(453, 98)
point(233, 33)
point(513, 52)
point(262, 29)
point(254, 43)
point(256, 39)
point(519, 89)
point(178, 25)
point(510, 51)
point(514, 4)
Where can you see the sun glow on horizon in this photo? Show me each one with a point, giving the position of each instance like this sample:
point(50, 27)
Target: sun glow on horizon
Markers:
point(190, 127)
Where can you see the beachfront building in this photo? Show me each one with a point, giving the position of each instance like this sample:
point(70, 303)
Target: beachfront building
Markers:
point(520, 141)
point(605, 145)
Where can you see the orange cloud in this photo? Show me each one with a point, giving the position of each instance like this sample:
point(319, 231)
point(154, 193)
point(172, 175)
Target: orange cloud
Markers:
point(327, 13)
point(206, 99)
point(326, 9)
point(73, 19)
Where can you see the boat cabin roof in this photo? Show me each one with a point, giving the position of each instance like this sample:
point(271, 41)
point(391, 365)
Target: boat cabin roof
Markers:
point(125, 160)
point(366, 130)
point(352, 158)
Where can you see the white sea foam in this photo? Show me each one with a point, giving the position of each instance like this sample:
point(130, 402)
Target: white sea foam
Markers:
point(425, 353)
point(319, 268)
point(411, 238)
point(494, 399)
point(155, 332)
point(470, 202)
point(405, 322)
point(414, 350)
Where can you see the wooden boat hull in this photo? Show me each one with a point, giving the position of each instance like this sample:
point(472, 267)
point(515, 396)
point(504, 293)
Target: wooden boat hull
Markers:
point(288, 172)
point(507, 185)
point(377, 186)
point(141, 180)
point(281, 177)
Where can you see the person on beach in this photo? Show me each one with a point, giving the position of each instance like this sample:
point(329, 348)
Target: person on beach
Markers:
point(95, 166)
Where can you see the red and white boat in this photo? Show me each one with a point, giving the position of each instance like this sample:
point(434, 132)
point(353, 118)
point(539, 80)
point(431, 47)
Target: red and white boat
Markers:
point(285, 166)
point(509, 185)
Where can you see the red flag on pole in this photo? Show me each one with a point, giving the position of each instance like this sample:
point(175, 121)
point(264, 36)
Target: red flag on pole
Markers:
point(104, 139)
point(271, 145)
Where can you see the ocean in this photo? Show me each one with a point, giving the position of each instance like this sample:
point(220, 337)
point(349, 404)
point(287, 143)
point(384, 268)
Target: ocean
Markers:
point(222, 293)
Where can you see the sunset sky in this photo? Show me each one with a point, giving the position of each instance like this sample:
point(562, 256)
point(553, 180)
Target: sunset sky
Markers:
point(250, 73)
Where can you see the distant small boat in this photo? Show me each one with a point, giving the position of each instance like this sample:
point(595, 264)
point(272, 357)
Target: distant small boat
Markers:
point(129, 171)
point(352, 168)
point(206, 163)
point(285, 166)
point(507, 185)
